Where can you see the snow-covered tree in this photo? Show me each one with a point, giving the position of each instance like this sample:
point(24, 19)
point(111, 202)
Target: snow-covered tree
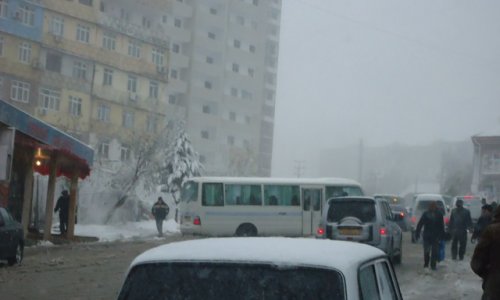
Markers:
point(180, 163)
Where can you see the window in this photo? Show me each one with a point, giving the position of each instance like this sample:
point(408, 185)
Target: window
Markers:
point(251, 48)
point(124, 153)
point(82, 33)
point(212, 194)
point(153, 89)
point(103, 113)
point(204, 134)
point(49, 99)
point(385, 281)
point(164, 19)
point(176, 48)
point(230, 140)
point(240, 20)
point(172, 99)
point(132, 84)
point(234, 92)
point(86, 2)
point(238, 194)
point(20, 91)
point(236, 68)
point(75, 106)
point(211, 35)
point(151, 124)
point(174, 74)
point(232, 116)
point(209, 60)
point(26, 14)
point(145, 22)
point(246, 95)
point(128, 119)
point(53, 62)
point(109, 41)
point(25, 53)
point(363, 210)
point(203, 159)
point(368, 283)
point(103, 150)
point(134, 48)
point(236, 44)
point(213, 10)
point(157, 56)
point(282, 195)
point(340, 191)
point(79, 70)
point(57, 26)
point(1, 45)
point(251, 72)
point(208, 85)
point(255, 2)
point(178, 23)
point(206, 109)
point(107, 78)
point(4, 6)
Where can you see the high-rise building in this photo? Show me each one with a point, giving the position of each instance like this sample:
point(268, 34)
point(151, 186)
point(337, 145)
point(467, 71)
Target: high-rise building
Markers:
point(224, 57)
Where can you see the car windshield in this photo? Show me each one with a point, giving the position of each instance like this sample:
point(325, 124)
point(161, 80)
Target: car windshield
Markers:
point(472, 201)
point(189, 191)
point(423, 205)
point(230, 281)
point(364, 210)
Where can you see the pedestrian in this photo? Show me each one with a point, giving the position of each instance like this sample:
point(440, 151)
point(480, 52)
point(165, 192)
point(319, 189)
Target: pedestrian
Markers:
point(433, 226)
point(483, 201)
point(62, 206)
point(486, 259)
point(160, 211)
point(494, 205)
point(460, 221)
point(483, 221)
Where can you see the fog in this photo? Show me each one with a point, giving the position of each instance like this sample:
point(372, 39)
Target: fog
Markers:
point(384, 72)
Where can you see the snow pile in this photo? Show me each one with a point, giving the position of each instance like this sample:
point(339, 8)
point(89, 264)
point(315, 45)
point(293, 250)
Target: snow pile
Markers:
point(126, 231)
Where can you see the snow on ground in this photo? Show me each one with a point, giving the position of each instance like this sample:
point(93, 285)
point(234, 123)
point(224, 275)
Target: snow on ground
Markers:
point(126, 231)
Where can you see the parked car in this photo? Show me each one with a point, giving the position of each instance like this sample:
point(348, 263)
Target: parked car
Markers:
point(11, 238)
point(472, 203)
point(261, 268)
point(391, 199)
point(404, 221)
point(420, 205)
point(363, 219)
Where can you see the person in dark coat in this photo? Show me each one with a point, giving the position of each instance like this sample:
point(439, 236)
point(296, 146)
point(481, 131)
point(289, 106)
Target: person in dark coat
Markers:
point(62, 206)
point(433, 224)
point(483, 221)
point(486, 259)
point(160, 211)
point(460, 221)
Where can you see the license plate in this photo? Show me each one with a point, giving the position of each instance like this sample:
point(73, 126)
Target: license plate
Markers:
point(350, 231)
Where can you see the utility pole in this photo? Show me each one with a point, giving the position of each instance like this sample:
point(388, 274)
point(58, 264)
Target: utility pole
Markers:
point(360, 161)
point(299, 168)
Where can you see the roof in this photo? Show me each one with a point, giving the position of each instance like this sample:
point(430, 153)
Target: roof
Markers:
point(340, 255)
point(276, 180)
point(429, 197)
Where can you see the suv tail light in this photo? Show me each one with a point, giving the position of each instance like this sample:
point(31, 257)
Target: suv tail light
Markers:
point(196, 221)
point(446, 220)
point(383, 231)
point(320, 231)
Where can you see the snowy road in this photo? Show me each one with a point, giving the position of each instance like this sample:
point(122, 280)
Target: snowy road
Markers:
point(95, 271)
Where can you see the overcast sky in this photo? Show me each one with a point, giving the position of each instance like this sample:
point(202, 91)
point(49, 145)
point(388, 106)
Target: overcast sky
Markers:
point(383, 71)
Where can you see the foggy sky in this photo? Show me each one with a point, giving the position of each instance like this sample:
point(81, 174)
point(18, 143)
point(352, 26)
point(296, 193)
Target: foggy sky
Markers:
point(383, 71)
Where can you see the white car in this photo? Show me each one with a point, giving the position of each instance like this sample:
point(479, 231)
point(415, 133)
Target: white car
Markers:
point(261, 268)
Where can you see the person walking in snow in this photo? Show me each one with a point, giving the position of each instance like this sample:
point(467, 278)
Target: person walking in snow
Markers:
point(483, 221)
point(62, 206)
point(460, 221)
point(160, 211)
point(433, 225)
point(486, 259)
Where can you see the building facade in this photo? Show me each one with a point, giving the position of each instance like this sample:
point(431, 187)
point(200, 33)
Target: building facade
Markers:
point(486, 168)
point(224, 57)
point(69, 64)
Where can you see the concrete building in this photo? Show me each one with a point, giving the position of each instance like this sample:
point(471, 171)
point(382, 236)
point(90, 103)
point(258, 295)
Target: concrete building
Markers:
point(224, 57)
point(486, 168)
point(71, 65)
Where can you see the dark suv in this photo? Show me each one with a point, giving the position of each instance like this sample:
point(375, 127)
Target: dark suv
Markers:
point(363, 219)
point(11, 238)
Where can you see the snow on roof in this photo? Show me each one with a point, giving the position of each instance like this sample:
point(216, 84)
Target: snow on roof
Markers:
point(341, 255)
point(276, 180)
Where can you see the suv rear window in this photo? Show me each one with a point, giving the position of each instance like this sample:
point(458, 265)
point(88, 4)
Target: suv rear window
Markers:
point(364, 210)
point(231, 281)
point(423, 205)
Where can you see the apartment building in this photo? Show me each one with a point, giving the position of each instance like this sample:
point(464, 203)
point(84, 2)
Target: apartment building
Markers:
point(224, 56)
point(72, 66)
